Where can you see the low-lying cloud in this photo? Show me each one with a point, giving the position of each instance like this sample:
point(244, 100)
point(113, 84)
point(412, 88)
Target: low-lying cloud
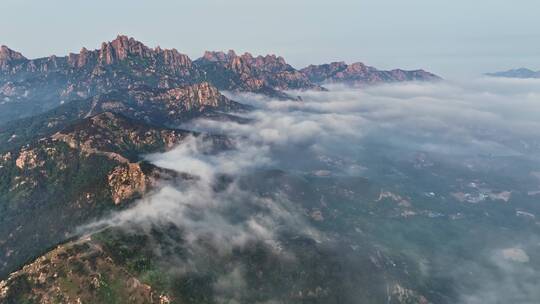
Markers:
point(201, 209)
point(484, 114)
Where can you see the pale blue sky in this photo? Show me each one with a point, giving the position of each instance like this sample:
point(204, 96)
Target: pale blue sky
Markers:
point(449, 37)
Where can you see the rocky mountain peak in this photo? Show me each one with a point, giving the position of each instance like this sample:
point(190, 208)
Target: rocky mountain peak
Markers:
point(260, 61)
point(122, 47)
point(218, 56)
point(247, 58)
point(358, 67)
point(231, 53)
point(7, 55)
point(174, 58)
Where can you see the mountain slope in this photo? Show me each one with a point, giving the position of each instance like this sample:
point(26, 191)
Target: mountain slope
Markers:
point(84, 271)
point(161, 107)
point(160, 258)
point(49, 187)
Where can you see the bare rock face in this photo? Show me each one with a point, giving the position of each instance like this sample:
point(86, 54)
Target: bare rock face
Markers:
point(28, 159)
point(359, 74)
point(9, 59)
point(198, 96)
point(8, 55)
point(127, 182)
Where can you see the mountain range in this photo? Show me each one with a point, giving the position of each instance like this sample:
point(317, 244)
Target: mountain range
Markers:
point(32, 86)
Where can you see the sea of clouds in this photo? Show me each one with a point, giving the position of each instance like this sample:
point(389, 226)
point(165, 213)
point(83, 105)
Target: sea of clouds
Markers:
point(329, 130)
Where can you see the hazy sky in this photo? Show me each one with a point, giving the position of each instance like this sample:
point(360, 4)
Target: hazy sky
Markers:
point(449, 37)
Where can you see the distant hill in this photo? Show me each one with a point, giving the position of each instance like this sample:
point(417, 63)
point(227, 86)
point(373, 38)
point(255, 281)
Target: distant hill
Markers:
point(516, 73)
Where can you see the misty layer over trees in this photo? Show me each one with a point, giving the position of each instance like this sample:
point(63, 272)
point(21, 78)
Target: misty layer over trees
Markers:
point(402, 193)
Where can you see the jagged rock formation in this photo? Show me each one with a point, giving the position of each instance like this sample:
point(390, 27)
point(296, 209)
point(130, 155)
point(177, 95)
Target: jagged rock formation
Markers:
point(358, 74)
point(123, 56)
point(9, 57)
point(261, 74)
point(31, 86)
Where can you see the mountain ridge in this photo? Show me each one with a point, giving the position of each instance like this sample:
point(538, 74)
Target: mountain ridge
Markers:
point(358, 74)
